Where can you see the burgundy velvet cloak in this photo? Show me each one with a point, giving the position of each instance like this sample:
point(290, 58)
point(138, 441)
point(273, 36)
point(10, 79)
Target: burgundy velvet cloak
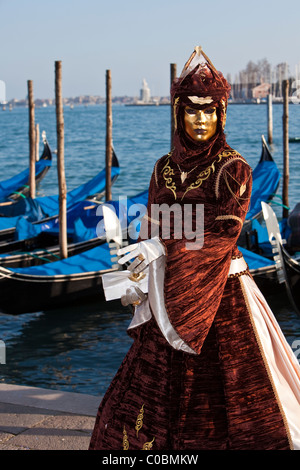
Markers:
point(221, 397)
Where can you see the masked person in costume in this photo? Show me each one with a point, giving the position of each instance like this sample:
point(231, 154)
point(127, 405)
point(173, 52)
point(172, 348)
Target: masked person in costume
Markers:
point(209, 367)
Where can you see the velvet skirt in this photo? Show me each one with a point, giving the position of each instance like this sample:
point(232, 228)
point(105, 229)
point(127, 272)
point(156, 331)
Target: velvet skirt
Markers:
point(224, 398)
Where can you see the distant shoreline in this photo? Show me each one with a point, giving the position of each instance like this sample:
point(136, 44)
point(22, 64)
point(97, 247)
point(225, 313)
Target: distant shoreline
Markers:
point(71, 103)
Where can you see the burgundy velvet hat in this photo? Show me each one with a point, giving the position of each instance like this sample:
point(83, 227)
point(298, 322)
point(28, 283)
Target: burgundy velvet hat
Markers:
point(200, 84)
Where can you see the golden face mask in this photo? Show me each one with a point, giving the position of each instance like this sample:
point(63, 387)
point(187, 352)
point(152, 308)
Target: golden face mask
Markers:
point(200, 124)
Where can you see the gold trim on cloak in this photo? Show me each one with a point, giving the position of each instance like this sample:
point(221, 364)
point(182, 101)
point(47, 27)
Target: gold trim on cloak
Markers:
point(138, 426)
point(168, 172)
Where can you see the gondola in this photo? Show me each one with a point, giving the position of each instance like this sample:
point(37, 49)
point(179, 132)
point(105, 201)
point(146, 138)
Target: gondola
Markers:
point(292, 278)
point(17, 186)
point(287, 267)
point(262, 269)
point(46, 207)
point(85, 230)
point(61, 282)
point(54, 284)
point(272, 254)
point(266, 177)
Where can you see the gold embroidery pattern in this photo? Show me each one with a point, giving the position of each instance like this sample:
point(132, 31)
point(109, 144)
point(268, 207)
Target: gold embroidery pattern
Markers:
point(243, 189)
point(168, 172)
point(241, 273)
point(204, 175)
point(226, 217)
point(233, 194)
point(138, 426)
point(125, 440)
point(139, 421)
point(148, 445)
point(235, 156)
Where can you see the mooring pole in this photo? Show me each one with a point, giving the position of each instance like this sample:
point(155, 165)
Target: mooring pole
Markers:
point(108, 162)
point(173, 76)
point(37, 142)
point(270, 119)
point(286, 172)
point(31, 140)
point(63, 244)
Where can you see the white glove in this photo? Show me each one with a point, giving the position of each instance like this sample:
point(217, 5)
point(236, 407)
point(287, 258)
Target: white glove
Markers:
point(144, 253)
point(134, 296)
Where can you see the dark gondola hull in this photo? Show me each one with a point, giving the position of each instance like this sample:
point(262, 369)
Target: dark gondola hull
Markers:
point(46, 293)
point(292, 279)
point(287, 268)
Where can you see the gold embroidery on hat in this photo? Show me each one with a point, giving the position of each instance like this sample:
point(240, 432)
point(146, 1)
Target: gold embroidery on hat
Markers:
point(200, 99)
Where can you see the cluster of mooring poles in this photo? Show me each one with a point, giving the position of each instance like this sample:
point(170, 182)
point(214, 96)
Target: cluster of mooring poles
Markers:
point(34, 145)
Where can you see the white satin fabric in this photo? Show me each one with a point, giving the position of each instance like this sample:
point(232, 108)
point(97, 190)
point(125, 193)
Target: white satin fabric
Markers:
point(115, 284)
point(155, 304)
point(279, 358)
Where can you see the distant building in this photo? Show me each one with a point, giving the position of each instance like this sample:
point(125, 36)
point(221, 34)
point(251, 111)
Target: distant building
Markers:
point(261, 91)
point(2, 92)
point(145, 95)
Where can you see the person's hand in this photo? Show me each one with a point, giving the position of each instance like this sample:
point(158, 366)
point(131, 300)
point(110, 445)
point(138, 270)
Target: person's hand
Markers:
point(143, 254)
point(134, 296)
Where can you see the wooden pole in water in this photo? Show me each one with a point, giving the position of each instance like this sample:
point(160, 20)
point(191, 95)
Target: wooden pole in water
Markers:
point(60, 162)
point(173, 76)
point(31, 140)
point(286, 174)
point(270, 119)
point(108, 162)
point(37, 142)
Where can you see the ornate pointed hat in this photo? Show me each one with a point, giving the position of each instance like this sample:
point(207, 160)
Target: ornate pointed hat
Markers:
point(200, 84)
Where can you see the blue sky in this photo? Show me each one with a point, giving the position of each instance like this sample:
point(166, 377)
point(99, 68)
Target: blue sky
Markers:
point(136, 40)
